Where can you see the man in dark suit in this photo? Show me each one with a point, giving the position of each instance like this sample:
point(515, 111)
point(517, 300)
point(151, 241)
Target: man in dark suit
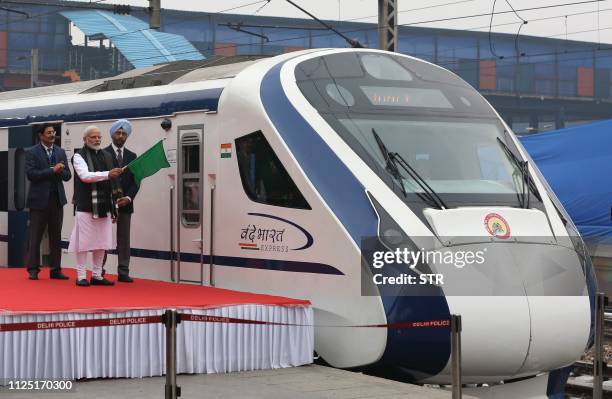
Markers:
point(46, 170)
point(120, 131)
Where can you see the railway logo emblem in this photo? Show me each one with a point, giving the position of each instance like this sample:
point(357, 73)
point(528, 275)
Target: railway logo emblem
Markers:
point(497, 226)
point(260, 237)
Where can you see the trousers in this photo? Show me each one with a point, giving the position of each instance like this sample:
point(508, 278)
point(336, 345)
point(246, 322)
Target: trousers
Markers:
point(50, 218)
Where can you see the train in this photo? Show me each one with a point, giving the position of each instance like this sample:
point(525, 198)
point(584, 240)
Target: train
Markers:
point(290, 174)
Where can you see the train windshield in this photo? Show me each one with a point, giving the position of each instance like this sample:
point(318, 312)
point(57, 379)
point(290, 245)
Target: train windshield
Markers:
point(419, 127)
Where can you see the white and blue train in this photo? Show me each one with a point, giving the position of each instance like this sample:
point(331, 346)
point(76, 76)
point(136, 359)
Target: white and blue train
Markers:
point(282, 168)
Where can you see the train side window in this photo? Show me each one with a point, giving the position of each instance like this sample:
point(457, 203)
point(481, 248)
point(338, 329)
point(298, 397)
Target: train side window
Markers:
point(264, 178)
point(19, 179)
point(4, 173)
point(190, 180)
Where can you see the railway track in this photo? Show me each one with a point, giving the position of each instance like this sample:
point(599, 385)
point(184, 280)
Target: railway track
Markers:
point(577, 388)
point(580, 383)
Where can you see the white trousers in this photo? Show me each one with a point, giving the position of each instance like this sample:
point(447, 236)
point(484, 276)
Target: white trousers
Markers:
point(97, 257)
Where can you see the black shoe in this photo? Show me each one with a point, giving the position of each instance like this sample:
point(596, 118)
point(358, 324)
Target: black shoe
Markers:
point(82, 283)
point(100, 281)
point(33, 276)
point(125, 279)
point(58, 276)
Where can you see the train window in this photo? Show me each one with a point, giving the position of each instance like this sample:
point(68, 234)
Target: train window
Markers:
point(384, 67)
point(19, 179)
point(190, 161)
point(340, 95)
point(263, 176)
point(4, 180)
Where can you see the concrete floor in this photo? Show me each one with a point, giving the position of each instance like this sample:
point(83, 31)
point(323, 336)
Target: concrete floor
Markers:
point(306, 382)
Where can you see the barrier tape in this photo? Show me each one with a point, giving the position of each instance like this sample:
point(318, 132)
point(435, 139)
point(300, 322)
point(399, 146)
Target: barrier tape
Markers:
point(231, 320)
point(54, 325)
point(124, 321)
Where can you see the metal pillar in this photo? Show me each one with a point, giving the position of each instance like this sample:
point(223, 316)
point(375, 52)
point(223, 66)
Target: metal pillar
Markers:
point(154, 14)
point(598, 361)
point(34, 67)
point(387, 25)
point(211, 268)
point(172, 278)
point(456, 355)
point(171, 320)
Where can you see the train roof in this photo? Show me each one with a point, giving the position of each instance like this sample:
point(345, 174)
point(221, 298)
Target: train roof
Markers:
point(98, 102)
point(172, 73)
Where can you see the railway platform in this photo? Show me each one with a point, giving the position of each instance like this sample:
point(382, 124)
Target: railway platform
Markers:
point(305, 382)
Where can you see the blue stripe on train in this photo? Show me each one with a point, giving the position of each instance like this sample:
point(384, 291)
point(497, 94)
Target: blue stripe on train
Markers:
point(153, 105)
point(234, 261)
point(426, 351)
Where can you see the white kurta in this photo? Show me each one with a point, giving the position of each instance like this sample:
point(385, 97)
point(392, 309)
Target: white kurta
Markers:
point(88, 233)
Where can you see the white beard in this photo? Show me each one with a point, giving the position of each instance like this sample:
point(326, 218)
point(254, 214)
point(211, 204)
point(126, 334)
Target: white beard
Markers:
point(94, 147)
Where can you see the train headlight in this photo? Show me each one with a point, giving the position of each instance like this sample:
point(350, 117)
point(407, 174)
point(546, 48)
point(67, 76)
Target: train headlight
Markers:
point(392, 237)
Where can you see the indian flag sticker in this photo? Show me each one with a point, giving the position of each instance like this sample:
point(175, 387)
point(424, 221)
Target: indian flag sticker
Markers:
point(226, 150)
point(246, 245)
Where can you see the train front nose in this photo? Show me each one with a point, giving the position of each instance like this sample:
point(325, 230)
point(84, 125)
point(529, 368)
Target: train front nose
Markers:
point(524, 310)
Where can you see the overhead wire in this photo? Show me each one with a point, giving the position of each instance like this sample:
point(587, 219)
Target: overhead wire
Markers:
point(518, 33)
point(188, 19)
point(369, 28)
point(491, 45)
point(262, 7)
point(406, 24)
point(437, 20)
point(413, 9)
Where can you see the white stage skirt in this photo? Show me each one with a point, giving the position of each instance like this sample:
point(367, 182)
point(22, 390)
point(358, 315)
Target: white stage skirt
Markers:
point(139, 350)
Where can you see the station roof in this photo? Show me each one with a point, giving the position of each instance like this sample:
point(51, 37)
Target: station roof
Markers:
point(140, 45)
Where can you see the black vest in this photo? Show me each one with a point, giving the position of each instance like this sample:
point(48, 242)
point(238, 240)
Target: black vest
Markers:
point(82, 190)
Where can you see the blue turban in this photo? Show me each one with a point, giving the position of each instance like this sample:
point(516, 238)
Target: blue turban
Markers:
point(121, 123)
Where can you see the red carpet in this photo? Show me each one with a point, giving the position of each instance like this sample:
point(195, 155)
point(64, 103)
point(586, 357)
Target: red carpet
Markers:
point(18, 294)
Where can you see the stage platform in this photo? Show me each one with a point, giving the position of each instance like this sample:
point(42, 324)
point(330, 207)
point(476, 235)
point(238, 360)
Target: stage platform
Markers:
point(53, 329)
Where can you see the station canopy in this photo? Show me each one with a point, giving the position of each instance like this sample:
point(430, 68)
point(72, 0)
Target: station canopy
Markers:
point(577, 163)
point(132, 37)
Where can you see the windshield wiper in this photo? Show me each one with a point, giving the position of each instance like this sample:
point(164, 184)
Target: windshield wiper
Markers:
point(432, 196)
point(527, 183)
point(390, 163)
point(393, 159)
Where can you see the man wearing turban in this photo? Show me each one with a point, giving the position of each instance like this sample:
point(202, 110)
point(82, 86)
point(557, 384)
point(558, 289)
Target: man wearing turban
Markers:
point(124, 197)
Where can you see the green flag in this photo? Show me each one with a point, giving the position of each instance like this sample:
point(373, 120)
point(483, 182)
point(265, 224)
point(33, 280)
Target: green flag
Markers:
point(149, 163)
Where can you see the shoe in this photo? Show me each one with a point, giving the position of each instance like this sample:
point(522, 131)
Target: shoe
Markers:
point(100, 281)
point(33, 276)
point(58, 276)
point(82, 283)
point(125, 279)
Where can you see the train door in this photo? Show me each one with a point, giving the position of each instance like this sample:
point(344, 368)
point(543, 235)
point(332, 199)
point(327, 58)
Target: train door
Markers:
point(192, 207)
point(4, 172)
point(19, 139)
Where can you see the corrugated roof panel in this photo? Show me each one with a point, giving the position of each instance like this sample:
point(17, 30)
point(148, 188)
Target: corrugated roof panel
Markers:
point(140, 45)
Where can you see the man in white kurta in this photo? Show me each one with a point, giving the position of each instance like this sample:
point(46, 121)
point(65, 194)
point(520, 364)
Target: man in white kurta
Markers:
point(92, 231)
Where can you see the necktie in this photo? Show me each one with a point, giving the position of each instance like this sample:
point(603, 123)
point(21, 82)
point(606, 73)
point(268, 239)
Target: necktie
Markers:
point(51, 156)
point(119, 157)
